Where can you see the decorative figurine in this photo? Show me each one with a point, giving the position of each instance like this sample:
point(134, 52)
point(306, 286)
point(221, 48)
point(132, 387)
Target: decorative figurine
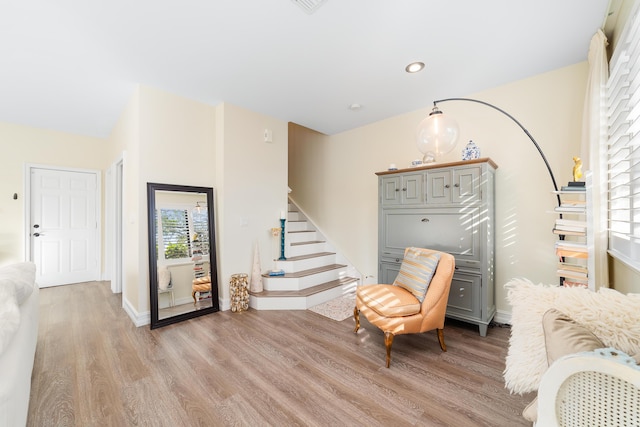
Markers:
point(471, 151)
point(577, 169)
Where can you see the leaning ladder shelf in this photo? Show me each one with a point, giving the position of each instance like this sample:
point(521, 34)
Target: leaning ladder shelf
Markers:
point(574, 247)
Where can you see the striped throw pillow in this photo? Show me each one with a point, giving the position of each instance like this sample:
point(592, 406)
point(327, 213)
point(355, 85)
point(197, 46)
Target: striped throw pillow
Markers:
point(416, 271)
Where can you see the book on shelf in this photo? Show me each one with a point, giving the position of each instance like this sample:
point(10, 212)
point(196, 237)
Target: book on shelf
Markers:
point(568, 244)
point(570, 209)
point(573, 203)
point(572, 188)
point(575, 284)
point(580, 232)
point(572, 267)
point(571, 253)
point(572, 274)
point(570, 228)
point(571, 222)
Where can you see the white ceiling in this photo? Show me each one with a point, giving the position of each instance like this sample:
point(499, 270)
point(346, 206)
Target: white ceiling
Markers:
point(72, 65)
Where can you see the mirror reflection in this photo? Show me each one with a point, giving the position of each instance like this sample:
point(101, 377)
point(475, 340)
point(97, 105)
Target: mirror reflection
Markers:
point(182, 253)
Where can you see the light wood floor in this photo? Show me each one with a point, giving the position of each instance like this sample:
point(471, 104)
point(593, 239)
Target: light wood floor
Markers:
point(257, 368)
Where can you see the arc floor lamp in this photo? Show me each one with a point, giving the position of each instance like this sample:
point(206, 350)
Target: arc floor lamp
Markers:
point(437, 134)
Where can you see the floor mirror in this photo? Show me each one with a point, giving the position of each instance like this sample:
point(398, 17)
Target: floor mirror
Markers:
point(183, 277)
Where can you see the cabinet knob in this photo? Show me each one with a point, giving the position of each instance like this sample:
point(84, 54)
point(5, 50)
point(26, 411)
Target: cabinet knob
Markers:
point(456, 185)
point(425, 220)
point(447, 186)
point(397, 259)
point(404, 189)
point(397, 189)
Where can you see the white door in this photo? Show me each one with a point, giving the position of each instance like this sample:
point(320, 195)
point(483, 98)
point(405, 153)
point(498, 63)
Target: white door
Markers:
point(64, 226)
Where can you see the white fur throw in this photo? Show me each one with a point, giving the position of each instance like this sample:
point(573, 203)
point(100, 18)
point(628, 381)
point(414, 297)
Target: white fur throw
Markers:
point(610, 315)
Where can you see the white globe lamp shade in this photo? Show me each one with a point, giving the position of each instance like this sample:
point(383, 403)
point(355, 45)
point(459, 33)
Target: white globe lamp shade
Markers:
point(437, 135)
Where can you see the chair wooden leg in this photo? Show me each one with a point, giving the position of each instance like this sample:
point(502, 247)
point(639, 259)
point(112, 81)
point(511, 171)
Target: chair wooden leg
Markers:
point(388, 340)
point(443, 346)
point(356, 316)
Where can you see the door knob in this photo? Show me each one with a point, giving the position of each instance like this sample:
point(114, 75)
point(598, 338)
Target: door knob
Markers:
point(36, 225)
point(36, 234)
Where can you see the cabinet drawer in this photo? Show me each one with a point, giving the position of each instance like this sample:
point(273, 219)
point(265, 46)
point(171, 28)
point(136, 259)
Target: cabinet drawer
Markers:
point(443, 229)
point(464, 296)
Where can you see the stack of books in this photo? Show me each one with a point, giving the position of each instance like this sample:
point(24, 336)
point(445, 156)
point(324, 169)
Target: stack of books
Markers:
point(565, 248)
point(572, 206)
point(574, 186)
point(572, 271)
point(570, 227)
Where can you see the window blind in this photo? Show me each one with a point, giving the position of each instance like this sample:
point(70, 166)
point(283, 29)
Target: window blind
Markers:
point(173, 230)
point(623, 145)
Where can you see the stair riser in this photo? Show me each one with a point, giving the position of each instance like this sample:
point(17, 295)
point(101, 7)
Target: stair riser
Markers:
point(302, 236)
point(297, 226)
point(295, 216)
point(299, 250)
point(305, 264)
point(299, 303)
point(300, 283)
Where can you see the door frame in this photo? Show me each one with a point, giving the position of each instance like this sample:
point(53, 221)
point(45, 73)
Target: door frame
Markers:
point(28, 167)
point(114, 225)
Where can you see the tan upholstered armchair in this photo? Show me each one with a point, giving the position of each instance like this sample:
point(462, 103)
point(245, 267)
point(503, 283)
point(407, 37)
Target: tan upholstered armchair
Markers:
point(398, 309)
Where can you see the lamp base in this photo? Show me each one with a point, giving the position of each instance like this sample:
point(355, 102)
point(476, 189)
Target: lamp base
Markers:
point(428, 158)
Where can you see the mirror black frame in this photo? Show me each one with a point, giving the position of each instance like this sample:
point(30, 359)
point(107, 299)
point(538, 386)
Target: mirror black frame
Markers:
point(153, 256)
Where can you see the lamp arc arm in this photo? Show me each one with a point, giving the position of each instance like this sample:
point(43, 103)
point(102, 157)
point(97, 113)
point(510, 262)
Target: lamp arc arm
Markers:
point(544, 158)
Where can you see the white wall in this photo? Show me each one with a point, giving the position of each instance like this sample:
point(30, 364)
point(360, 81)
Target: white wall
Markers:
point(333, 177)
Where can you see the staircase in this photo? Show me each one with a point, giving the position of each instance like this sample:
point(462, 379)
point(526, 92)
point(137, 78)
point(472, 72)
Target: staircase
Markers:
point(312, 272)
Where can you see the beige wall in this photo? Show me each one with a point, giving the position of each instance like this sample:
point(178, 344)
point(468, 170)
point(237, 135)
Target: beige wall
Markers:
point(252, 188)
point(123, 143)
point(21, 145)
point(174, 140)
point(333, 177)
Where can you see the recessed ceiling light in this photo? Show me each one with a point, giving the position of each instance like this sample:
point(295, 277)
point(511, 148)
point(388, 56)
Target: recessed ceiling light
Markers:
point(355, 107)
point(414, 67)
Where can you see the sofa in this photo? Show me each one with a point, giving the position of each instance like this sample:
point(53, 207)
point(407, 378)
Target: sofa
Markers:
point(551, 323)
point(18, 337)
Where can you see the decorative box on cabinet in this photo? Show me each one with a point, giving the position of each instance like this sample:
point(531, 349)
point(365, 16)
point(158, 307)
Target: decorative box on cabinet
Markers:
point(447, 207)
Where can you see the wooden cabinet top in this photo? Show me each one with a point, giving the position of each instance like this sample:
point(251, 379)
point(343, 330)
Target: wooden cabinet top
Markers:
point(441, 165)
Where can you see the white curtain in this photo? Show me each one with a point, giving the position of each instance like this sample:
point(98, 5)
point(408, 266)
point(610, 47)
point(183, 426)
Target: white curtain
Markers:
point(593, 152)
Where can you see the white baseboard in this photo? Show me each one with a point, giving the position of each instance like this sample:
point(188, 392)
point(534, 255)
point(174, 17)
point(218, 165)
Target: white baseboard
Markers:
point(502, 317)
point(139, 319)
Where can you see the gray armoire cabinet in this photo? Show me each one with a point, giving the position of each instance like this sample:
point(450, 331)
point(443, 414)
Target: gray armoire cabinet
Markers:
point(447, 207)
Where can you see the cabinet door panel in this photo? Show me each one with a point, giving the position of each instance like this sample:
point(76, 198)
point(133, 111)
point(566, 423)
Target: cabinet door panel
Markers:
point(466, 184)
point(412, 189)
point(390, 190)
point(448, 230)
point(464, 296)
point(439, 187)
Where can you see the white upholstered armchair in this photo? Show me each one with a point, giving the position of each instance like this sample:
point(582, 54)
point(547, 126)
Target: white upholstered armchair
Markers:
point(599, 388)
